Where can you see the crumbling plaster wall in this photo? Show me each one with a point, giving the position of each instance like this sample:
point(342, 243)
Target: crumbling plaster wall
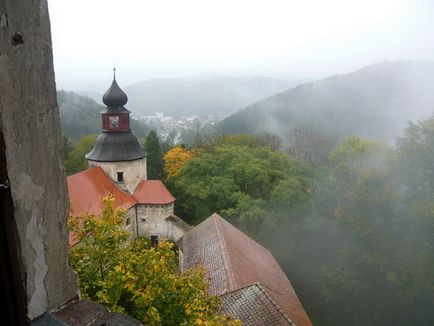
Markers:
point(31, 127)
point(152, 219)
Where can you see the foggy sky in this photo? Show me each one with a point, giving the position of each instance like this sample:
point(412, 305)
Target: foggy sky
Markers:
point(276, 38)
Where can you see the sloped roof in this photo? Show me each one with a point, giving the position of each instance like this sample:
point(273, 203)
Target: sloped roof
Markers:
point(88, 188)
point(153, 192)
point(254, 306)
point(235, 261)
point(115, 147)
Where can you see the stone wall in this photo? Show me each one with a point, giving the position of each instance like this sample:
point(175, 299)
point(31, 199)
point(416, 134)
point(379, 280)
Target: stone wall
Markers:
point(152, 219)
point(175, 231)
point(134, 172)
point(29, 120)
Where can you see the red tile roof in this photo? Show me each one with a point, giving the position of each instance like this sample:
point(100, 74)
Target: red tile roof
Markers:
point(235, 261)
point(87, 190)
point(153, 192)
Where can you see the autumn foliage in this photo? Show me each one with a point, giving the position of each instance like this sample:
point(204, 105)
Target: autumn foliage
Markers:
point(176, 158)
point(136, 278)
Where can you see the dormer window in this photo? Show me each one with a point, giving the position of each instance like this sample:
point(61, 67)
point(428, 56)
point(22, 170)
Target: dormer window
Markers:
point(120, 176)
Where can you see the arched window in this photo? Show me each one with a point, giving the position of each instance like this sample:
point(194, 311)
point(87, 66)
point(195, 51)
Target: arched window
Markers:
point(128, 221)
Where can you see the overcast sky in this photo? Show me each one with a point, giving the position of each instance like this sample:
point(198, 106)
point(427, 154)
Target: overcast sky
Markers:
point(278, 38)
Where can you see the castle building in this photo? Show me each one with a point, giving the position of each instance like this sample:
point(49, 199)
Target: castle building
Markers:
point(117, 166)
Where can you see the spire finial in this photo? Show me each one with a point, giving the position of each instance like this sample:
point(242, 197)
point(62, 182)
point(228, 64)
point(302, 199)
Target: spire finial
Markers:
point(114, 73)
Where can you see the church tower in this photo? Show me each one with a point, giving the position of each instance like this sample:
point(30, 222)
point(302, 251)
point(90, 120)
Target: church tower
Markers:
point(117, 150)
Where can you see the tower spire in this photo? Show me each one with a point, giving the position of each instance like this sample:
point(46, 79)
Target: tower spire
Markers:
point(116, 142)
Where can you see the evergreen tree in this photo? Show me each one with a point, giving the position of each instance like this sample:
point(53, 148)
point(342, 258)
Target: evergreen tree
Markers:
point(75, 160)
point(155, 156)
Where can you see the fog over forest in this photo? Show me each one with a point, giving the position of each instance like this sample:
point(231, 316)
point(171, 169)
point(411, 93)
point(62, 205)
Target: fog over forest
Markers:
point(325, 149)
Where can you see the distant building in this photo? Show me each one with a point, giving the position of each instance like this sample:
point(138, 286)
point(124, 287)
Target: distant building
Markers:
point(117, 166)
point(245, 275)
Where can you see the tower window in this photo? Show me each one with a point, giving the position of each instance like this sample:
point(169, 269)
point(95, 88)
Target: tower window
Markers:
point(120, 177)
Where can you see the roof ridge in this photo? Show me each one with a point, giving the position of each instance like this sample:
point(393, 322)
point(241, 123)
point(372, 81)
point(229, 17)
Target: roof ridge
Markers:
point(225, 257)
point(261, 287)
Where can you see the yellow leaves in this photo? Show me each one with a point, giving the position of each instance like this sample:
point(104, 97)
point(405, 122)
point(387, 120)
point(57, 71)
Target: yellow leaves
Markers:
point(136, 278)
point(109, 201)
point(176, 158)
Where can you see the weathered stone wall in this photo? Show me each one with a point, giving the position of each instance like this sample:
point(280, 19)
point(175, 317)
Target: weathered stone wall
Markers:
point(134, 172)
point(152, 219)
point(174, 231)
point(30, 124)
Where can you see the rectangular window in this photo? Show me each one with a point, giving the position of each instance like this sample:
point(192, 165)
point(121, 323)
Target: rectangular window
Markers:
point(120, 177)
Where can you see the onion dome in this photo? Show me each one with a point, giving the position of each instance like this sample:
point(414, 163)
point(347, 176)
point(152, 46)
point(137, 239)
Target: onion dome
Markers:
point(114, 95)
point(116, 142)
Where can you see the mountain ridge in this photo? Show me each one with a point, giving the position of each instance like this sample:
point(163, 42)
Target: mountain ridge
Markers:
point(379, 97)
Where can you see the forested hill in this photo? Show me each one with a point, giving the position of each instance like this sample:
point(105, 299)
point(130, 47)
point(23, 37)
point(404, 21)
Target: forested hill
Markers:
point(80, 115)
point(217, 96)
point(374, 102)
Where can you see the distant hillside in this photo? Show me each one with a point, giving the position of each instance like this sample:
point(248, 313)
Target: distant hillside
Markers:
point(80, 115)
point(218, 96)
point(374, 102)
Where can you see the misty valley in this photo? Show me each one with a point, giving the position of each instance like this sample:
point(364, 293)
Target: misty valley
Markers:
point(335, 176)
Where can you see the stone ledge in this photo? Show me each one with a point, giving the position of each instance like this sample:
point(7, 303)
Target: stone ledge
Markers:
point(87, 313)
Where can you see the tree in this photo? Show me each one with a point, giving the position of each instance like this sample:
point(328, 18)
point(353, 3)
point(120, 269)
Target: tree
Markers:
point(67, 146)
point(75, 161)
point(416, 157)
point(349, 158)
point(136, 278)
point(309, 146)
point(154, 160)
point(269, 140)
point(198, 136)
point(238, 182)
point(175, 159)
